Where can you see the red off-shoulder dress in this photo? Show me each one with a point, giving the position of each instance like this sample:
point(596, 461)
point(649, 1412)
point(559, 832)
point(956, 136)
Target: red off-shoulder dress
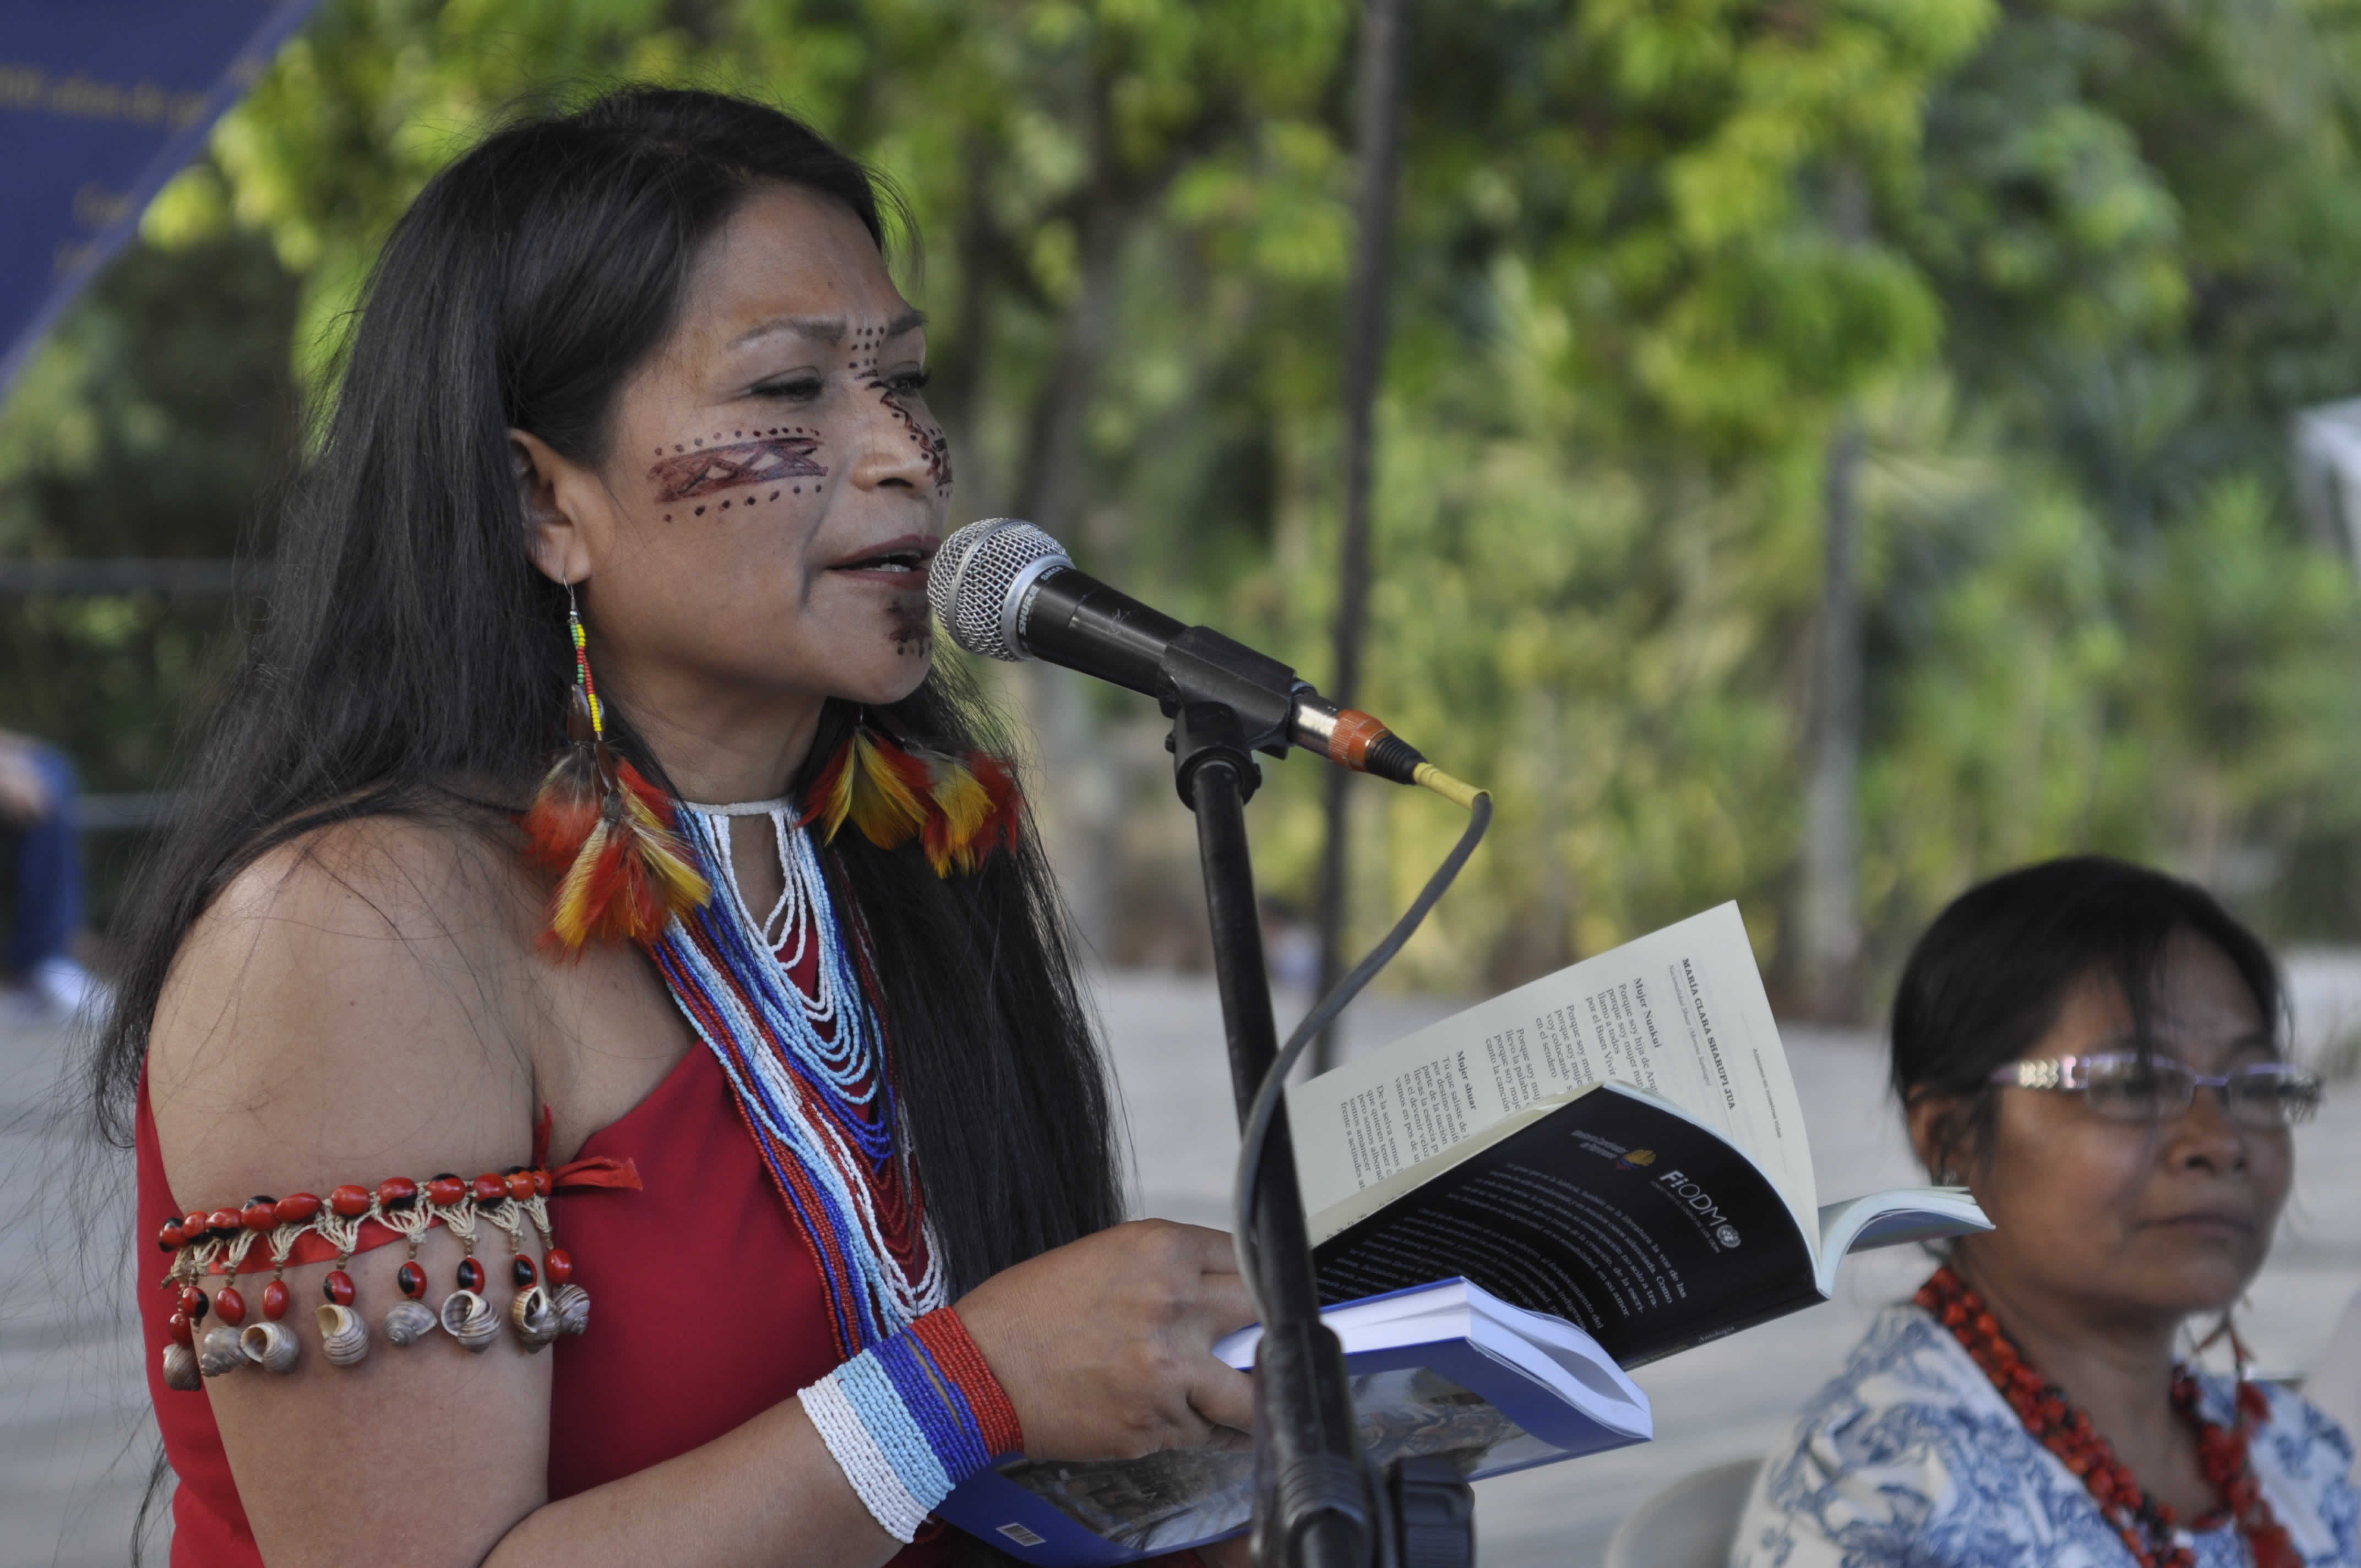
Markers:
point(627, 1394)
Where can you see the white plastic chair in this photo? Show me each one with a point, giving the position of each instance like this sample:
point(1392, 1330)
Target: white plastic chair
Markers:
point(1689, 1524)
point(2335, 1381)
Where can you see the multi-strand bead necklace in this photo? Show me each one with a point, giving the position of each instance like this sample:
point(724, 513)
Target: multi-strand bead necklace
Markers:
point(2147, 1526)
point(781, 1001)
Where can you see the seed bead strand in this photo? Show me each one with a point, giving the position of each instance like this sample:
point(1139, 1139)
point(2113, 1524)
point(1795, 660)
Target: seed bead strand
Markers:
point(830, 1031)
point(819, 1099)
point(582, 668)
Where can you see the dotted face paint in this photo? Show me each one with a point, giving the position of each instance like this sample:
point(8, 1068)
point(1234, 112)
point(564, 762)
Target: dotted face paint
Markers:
point(927, 435)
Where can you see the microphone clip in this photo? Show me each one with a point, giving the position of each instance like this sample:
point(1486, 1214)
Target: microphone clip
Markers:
point(1222, 695)
point(1207, 732)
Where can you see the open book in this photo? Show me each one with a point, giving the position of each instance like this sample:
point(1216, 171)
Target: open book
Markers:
point(1618, 1145)
point(1445, 1369)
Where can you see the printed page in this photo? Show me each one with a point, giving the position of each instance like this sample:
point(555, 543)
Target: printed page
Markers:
point(1890, 1219)
point(1615, 1209)
point(1680, 1012)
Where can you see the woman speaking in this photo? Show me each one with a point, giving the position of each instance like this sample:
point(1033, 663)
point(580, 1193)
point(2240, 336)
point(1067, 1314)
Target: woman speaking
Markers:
point(607, 1079)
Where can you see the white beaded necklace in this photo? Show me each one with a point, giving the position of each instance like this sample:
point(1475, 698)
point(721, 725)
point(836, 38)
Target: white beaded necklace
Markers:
point(808, 1068)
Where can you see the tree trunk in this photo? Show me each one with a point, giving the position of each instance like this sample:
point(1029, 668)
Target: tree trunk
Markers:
point(1828, 928)
point(960, 379)
point(1382, 26)
point(1080, 787)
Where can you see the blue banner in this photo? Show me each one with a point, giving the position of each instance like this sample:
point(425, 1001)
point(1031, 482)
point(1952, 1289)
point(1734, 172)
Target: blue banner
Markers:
point(101, 102)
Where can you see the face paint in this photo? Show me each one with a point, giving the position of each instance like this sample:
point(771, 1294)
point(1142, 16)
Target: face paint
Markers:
point(702, 467)
point(750, 463)
point(927, 435)
point(912, 630)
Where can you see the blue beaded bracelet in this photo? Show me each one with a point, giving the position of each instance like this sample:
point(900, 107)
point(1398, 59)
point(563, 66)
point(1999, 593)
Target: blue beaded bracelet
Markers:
point(910, 1417)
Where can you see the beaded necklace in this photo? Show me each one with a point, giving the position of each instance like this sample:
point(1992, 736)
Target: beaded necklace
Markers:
point(808, 1067)
point(2147, 1527)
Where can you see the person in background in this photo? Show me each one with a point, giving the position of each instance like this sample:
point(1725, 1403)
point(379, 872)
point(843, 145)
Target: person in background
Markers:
point(37, 824)
point(2094, 1049)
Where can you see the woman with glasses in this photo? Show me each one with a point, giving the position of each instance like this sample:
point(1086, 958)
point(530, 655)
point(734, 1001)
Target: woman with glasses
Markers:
point(2094, 1049)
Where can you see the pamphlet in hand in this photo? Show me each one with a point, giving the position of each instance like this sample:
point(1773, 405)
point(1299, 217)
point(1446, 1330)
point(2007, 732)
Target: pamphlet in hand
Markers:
point(1618, 1145)
point(1446, 1368)
point(1604, 1166)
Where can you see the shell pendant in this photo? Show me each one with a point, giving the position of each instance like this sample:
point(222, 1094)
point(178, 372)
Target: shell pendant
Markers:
point(180, 1373)
point(534, 1317)
point(407, 1322)
point(344, 1335)
point(271, 1346)
point(573, 1304)
point(217, 1354)
point(470, 1318)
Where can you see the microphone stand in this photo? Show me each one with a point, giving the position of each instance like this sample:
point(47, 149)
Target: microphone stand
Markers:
point(1313, 1505)
point(1316, 1502)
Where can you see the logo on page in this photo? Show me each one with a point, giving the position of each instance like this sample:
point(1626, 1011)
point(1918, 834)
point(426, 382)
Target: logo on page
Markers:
point(1636, 1159)
point(1712, 1222)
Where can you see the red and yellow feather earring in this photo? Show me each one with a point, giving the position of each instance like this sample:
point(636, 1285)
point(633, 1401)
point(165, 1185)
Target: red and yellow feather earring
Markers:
point(961, 807)
point(606, 831)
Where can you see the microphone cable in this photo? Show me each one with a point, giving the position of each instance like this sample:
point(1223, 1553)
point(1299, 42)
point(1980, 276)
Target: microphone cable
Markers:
point(1257, 1131)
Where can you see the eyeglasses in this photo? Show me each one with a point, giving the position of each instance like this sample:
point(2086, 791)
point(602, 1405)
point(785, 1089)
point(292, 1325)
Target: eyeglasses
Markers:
point(2125, 1087)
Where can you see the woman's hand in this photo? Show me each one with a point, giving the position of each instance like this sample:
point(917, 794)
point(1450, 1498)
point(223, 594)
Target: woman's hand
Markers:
point(1106, 1345)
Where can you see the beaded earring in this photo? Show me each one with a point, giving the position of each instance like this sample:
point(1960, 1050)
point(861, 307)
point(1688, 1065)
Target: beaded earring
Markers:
point(961, 808)
point(609, 833)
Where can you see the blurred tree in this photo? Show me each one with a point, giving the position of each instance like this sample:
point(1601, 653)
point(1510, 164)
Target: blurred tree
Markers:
point(1040, 135)
point(2104, 248)
point(1627, 277)
point(2143, 221)
point(154, 423)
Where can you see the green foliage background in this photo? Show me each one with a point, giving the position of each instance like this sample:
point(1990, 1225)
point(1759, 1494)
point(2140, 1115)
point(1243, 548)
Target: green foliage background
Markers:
point(2070, 265)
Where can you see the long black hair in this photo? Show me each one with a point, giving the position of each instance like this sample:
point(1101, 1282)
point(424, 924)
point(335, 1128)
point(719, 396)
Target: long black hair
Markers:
point(1987, 979)
point(411, 660)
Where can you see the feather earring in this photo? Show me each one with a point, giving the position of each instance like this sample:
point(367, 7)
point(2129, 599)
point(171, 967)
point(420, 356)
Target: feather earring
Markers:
point(960, 808)
point(608, 833)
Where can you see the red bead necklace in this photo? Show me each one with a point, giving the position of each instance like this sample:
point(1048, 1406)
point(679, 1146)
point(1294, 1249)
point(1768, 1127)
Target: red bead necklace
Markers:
point(2147, 1527)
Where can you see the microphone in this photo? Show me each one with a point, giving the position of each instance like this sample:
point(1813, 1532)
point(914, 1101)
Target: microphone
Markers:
point(1003, 589)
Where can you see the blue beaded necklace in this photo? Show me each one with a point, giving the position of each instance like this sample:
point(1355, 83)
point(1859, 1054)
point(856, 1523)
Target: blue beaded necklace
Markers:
point(809, 1070)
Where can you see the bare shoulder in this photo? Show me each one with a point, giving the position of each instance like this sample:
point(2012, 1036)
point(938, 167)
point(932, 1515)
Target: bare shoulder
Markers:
point(356, 999)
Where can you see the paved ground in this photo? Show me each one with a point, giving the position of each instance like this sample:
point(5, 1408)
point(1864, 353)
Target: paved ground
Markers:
point(75, 1439)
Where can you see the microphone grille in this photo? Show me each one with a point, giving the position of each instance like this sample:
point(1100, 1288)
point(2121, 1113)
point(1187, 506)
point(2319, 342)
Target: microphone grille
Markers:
point(969, 581)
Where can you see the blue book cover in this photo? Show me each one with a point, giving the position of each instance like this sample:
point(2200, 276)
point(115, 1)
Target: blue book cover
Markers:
point(1444, 1368)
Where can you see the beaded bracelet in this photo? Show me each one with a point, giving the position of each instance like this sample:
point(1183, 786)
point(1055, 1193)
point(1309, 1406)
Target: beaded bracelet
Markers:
point(269, 1232)
point(910, 1417)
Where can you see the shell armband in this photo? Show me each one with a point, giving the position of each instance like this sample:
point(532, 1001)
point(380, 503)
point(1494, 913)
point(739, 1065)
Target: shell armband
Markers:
point(272, 1232)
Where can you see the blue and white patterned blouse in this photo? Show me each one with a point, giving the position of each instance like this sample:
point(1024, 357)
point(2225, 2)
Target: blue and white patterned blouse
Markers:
point(1910, 1458)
